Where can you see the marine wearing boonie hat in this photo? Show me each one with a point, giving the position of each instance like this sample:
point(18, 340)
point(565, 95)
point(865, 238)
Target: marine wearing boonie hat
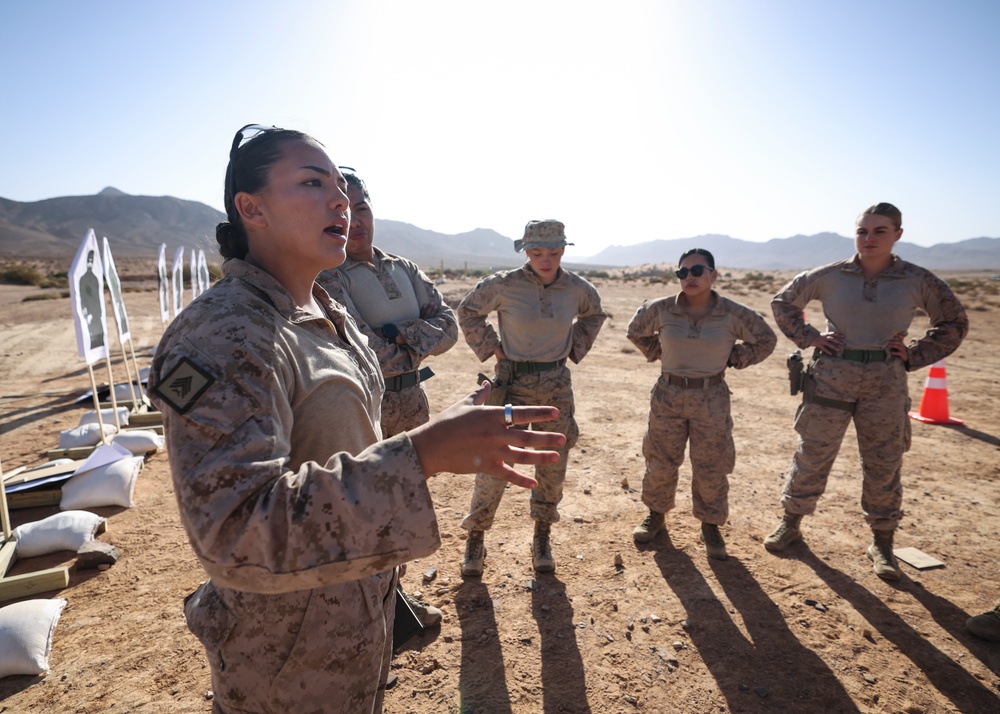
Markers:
point(542, 234)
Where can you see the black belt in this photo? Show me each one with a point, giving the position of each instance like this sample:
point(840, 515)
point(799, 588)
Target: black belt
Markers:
point(532, 367)
point(865, 356)
point(694, 382)
point(809, 396)
point(407, 380)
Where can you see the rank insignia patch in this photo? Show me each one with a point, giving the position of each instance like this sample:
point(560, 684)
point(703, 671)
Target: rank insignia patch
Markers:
point(183, 385)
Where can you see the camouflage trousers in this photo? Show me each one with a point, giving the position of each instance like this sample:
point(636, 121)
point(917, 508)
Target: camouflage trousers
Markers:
point(307, 651)
point(677, 415)
point(883, 430)
point(550, 388)
point(404, 410)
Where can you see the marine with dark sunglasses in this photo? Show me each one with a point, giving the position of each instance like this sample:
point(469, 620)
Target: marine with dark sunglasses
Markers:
point(696, 335)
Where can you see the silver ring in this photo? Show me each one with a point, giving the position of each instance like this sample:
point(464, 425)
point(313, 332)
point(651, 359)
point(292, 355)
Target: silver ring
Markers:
point(508, 415)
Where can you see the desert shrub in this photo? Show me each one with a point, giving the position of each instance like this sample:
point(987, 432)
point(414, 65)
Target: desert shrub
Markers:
point(43, 296)
point(54, 281)
point(20, 274)
point(590, 274)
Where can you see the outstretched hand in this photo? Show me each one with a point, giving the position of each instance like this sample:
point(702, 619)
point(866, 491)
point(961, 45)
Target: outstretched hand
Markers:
point(469, 438)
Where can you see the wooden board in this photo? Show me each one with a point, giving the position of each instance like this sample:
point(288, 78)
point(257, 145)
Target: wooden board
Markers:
point(39, 472)
point(145, 419)
point(34, 499)
point(77, 452)
point(917, 558)
point(30, 583)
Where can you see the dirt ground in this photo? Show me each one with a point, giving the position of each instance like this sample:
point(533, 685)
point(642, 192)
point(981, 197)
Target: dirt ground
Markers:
point(667, 630)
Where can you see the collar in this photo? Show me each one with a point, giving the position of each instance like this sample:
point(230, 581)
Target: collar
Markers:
point(378, 255)
point(678, 308)
point(274, 292)
point(896, 267)
point(530, 273)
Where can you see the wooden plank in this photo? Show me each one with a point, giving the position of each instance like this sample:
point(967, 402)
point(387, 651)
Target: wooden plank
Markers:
point(145, 418)
point(40, 581)
point(11, 474)
point(38, 472)
point(917, 558)
point(34, 499)
point(7, 556)
point(158, 428)
point(77, 452)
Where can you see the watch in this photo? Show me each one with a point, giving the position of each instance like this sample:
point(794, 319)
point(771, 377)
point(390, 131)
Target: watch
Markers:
point(390, 332)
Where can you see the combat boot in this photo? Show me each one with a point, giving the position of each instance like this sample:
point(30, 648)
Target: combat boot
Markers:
point(475, 554)
point(541, 552)
point(649, 528)
point(714, 544)
point(785, 534)
point(880, 553)
point(428, 615)
point(986, 624)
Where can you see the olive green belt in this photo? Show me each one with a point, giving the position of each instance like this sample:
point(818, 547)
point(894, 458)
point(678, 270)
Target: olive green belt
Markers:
point(533, 367)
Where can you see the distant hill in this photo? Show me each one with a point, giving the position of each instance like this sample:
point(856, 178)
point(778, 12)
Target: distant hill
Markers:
point(137, 225)
point(134, 225)
point(800, 252)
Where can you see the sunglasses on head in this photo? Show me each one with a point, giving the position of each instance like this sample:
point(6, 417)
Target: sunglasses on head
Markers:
point(697, 271)
point(247, 133)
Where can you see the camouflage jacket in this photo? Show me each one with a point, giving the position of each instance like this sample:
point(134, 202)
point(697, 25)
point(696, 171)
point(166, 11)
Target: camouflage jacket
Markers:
point(870, 312)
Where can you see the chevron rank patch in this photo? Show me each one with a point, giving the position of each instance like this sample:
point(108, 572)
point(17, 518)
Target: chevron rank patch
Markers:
point(183, 385)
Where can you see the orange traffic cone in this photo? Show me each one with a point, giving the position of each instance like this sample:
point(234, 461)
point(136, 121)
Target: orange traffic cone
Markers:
point(934, 405)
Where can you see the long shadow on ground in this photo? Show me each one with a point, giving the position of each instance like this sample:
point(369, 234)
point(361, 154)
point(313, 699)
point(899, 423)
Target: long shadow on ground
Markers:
point(966, 693)
point(483, 681)
point(564, 687)
point(772, 670)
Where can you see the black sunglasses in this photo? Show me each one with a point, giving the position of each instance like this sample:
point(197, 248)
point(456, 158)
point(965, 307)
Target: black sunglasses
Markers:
point(247, 133)
point(697, 271)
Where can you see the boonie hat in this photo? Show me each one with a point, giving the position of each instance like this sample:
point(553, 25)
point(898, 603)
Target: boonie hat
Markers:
point(542, 234)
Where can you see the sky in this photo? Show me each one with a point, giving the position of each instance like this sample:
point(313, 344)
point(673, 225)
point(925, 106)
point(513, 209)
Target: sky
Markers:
point(628, 121)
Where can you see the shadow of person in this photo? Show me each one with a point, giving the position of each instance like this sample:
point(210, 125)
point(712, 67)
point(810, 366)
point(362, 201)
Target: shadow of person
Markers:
point(564, 687)
point(966, 692)
point(772, 663)
point(482, 682)
point(951, 618)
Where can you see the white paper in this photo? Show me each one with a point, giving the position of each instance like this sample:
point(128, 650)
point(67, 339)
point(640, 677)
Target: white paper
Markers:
point(117, 299)
point(86, 289)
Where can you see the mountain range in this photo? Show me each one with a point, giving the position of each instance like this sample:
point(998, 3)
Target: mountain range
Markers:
point(136, 226)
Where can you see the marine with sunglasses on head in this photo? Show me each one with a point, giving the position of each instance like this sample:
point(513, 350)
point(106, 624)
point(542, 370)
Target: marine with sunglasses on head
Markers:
point(405, 319)
point(696, 334)
point(858, 372)
point(545, 314)
point(293, 503)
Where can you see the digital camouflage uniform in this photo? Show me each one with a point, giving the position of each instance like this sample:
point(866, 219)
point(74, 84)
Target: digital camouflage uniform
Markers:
point(394, 290)
point(729, 335)
point(538, 324)
point(264, 405)
point(868, 313)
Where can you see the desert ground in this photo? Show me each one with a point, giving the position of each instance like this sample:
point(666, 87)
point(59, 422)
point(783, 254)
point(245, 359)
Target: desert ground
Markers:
point(617, 627)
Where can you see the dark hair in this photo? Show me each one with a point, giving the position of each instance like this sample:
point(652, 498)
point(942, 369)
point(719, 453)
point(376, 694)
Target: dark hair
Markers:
point(249, 162)
point(887, 210)
point(698, 251)
point(354, 180)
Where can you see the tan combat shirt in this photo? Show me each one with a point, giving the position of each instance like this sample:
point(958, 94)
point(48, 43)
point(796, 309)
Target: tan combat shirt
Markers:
point(870, 312)
point(394, 289)
point(537, 323)
point(730, 334)
point(271, 417)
